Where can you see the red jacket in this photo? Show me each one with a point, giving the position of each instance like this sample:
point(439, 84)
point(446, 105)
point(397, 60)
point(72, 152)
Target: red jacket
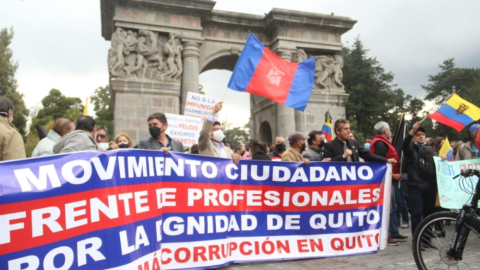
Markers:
point(391, 153)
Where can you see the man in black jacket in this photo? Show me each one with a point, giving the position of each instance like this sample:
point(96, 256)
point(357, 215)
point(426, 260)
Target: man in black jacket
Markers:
point(421, 191)
point(343, 149)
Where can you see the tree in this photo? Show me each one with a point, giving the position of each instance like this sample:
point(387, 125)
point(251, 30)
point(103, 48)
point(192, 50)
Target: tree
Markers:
point(8, 83)
point(373, 96)
point(464, 81)
point(236, 135)
point(56, 105)
point(101, 105)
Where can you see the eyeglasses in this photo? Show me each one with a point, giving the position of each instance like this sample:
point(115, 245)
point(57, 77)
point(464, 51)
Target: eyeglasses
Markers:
point(102, 136)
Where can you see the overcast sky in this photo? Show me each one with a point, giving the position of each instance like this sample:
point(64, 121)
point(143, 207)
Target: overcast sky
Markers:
point(58, 43)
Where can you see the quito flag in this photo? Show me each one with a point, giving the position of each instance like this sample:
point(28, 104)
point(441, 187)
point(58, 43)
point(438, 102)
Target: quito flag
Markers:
point(327, 126)
point(447, 150)
point(456, 113)
point(261, 72)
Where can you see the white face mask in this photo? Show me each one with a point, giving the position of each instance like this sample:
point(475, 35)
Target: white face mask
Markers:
point(218, 135)
point(103, 146)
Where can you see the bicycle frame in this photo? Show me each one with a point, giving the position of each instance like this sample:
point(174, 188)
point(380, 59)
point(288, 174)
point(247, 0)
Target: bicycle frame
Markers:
point(455, 251)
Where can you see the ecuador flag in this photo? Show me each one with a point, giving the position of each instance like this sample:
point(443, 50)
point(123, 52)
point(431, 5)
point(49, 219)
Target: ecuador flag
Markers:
point(447, 150)
point(327, 126)
point(456, 113)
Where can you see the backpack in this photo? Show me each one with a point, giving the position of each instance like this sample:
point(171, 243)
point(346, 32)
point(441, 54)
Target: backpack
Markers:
point(426, 164)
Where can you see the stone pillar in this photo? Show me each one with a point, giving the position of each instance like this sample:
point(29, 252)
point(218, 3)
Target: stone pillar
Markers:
point(191, 56)
point(285, 115)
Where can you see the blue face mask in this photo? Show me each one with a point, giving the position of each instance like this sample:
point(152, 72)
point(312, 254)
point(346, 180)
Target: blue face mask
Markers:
point(367, 146)
point(420, 144)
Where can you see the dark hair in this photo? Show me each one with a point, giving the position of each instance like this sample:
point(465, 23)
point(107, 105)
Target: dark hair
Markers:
point(6, 104)
point(102, 127)
point(369, 138)
point(85, 123)
point(257, 146)
point(340, 122)
point(216, 123)
point(436, 143)
point(62, 124)
point(312, 136)
point(159, 116)
point(194, 150)
point(238, 147)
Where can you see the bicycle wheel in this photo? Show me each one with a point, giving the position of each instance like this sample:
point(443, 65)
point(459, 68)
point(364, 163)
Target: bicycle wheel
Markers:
point(432, 241)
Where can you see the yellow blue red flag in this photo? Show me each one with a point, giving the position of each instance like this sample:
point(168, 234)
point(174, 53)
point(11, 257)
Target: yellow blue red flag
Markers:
point(456, 113)
point(447, 150)
point(327, 126)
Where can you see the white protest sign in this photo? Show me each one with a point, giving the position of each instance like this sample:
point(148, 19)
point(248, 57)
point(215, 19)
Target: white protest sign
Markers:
point(184, 129)
point(200, 106)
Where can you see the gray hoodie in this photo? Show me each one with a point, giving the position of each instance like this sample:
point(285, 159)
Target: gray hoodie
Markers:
point(77, 140)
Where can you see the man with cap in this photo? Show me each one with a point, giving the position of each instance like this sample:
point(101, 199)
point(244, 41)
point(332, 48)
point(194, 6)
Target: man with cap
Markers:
point(11, 142)
point(422, 190)
point(344, 149)
point(469, 150)
point(297, 146)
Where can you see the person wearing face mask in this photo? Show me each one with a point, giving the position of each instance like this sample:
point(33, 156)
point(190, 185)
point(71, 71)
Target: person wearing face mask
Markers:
point(381, 145)
point(159, 140)
point(422, 190)
point(122, 141)
point(344, 149)
point(316, 141)
point(81, 139)
point(279, 149)
point(211, 137)
point(102, 138)
point(11, 142)
point(297, 146)
point(368, 141)
point(61, 127)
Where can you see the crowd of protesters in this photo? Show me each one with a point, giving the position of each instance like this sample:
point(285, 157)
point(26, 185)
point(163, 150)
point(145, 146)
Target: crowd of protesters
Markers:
point(414, 191)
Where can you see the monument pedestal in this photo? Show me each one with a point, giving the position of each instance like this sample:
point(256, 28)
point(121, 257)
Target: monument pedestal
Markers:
point(134, 100)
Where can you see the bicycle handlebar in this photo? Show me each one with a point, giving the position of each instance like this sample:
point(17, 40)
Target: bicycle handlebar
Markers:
point(468, 173)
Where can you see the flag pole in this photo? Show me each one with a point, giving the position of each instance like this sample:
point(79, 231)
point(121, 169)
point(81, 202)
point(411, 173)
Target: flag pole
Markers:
point(224, 94)
point(445, 100)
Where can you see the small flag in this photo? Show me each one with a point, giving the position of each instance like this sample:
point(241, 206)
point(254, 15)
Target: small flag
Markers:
point(456, 113)
point(85, 109)
point(261, 72)
point(327, 126)
point(447, 150)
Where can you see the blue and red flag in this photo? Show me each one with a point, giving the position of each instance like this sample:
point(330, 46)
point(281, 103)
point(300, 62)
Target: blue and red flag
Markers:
point(327, 126)
point(261, 72)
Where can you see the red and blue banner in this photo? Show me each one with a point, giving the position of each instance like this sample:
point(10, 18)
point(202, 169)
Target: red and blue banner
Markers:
point(140, 209)
point(261, 72)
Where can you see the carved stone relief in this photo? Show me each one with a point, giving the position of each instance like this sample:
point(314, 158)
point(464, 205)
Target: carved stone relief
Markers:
point(145, 55)
point(328, 71)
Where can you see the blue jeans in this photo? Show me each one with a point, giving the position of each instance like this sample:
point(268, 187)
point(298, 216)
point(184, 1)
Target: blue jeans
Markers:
point(401, 197)
point(393, 224)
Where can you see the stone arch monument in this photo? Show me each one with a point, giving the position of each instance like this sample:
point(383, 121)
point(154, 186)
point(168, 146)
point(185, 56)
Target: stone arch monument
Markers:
point(159, 48)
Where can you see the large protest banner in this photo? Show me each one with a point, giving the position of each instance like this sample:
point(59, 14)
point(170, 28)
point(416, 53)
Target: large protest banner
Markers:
point(184, 129)
point(200, 106)
point(450, 194)
point(140, 209)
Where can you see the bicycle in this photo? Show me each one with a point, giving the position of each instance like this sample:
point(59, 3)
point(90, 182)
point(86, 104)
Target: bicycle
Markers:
point(439, 246)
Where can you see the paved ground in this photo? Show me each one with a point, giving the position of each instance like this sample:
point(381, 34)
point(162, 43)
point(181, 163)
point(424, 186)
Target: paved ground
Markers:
point(394, 257)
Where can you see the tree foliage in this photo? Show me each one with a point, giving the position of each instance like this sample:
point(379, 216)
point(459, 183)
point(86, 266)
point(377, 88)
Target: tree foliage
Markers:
point(101, 105)
point(8, 83)
point(56, 105)
point(464, 81)
point(236, 135)
point(373, 96)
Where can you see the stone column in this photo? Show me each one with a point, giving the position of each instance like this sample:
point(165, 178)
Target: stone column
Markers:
point(191, 56)
point(285, 115)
